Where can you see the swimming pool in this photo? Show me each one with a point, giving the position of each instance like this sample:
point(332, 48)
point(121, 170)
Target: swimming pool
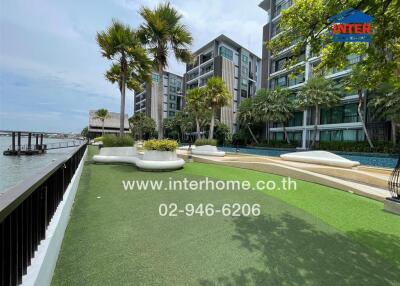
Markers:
point(385, 161)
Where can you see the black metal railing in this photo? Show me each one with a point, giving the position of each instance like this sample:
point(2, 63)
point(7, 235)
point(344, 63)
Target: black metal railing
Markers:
point(25, 213)
point(50, 146)
point(394, 182)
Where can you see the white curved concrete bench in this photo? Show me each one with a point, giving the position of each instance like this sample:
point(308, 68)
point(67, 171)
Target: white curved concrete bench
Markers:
point(116, 154)
point(208, 150)
point(320, 157)
point(186, 147)
point(151, 160)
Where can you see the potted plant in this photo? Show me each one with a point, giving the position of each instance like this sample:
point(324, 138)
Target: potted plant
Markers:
point(160, 150)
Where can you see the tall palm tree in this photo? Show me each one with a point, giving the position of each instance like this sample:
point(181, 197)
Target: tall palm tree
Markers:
point(318, 92)
point(162, 32)
point(274, 106)
point(246, 115)
point(217, 96)
point(102, 114)
point(130, 64)
point(195, 103)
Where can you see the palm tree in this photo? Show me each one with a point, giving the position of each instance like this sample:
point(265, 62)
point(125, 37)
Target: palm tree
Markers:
point(318, 92)
point(217, 96)
point(195, 103)
point(102, 114)
point(273, 106)
point(387, 106)
point(130, 64)
point(359, 81)
point(163, 32)
point(246, 115)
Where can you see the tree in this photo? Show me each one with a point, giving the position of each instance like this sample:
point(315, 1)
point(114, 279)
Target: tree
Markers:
point(222, 133)
point(359, 81)
point(102, 114)
point(318, 92)
point(163, 32)
point(185, 120)
point(388, 106)
point(85, 132)
point(195, 103)
point(130, 64)
point(246, 115)
point(273, 106)
point(217, 96)
point(305, 23)
point(142, 125)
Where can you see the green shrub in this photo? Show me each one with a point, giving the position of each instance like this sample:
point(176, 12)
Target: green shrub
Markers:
point(279, 144)
point(161, 145)
point(116, 141)
point(97, 139)
point(201, 142)
point(379, 147)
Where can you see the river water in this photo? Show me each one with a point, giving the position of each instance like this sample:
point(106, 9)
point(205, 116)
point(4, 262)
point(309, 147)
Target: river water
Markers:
point(14, 169)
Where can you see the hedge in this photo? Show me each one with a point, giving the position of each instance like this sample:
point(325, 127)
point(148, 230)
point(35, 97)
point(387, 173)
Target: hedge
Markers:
point(161, 145)
point(116, 141)
point(202, 142)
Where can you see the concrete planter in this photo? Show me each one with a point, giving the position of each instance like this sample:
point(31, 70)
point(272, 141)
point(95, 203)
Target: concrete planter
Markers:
point(151, 160)
point(160, 160)
point(154, 155)
point(208, 150)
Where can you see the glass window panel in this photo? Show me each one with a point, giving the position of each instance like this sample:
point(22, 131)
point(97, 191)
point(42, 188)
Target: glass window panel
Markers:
point(325, 136)
point(279, 136)
point(337, 115)
point(350, 113)
point(325, 116)
point(349, 135)
point(336, 135)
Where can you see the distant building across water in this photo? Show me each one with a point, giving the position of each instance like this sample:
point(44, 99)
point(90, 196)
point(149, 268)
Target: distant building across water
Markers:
point(111, 124)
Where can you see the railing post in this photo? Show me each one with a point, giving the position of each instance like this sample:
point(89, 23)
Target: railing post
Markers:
point(13, 142)
point(37, 141)
point(19, 143)
point(29, 141)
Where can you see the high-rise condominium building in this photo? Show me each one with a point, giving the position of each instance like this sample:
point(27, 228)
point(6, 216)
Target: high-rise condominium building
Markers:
point(147, 101)
point(237, 66)
point(339, 123)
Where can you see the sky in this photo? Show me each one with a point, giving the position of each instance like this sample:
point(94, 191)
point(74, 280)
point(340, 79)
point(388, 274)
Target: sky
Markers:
point(52, 71)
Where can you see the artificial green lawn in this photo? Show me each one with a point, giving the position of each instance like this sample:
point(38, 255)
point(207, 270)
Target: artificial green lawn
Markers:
point(312, 236)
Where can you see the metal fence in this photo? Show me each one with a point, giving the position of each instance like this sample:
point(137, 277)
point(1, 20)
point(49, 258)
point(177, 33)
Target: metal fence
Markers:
point(25, 213)
point(394, 182)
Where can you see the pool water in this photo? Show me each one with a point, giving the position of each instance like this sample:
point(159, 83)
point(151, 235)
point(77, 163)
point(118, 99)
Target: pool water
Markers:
point(385, 161)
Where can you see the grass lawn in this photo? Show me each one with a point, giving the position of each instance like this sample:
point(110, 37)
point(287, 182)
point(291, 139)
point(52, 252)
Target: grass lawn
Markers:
point(313, 236)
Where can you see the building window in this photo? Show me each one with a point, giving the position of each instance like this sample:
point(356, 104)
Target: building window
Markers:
point(226, 53)
point(351, 135)
point(155, 77)
point(339, 114)
point(350, 113)
point(245, 59)
point(171, 113)
point(172, 105)
point(296, 120)
point(281, 81)
point(172, 97)
point(243, 93)
point(245, 72)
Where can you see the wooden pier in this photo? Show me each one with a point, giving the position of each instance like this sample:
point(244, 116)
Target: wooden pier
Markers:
point(16, 148)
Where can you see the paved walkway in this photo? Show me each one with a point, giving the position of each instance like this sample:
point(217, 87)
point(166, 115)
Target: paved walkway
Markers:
point(365, 181)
